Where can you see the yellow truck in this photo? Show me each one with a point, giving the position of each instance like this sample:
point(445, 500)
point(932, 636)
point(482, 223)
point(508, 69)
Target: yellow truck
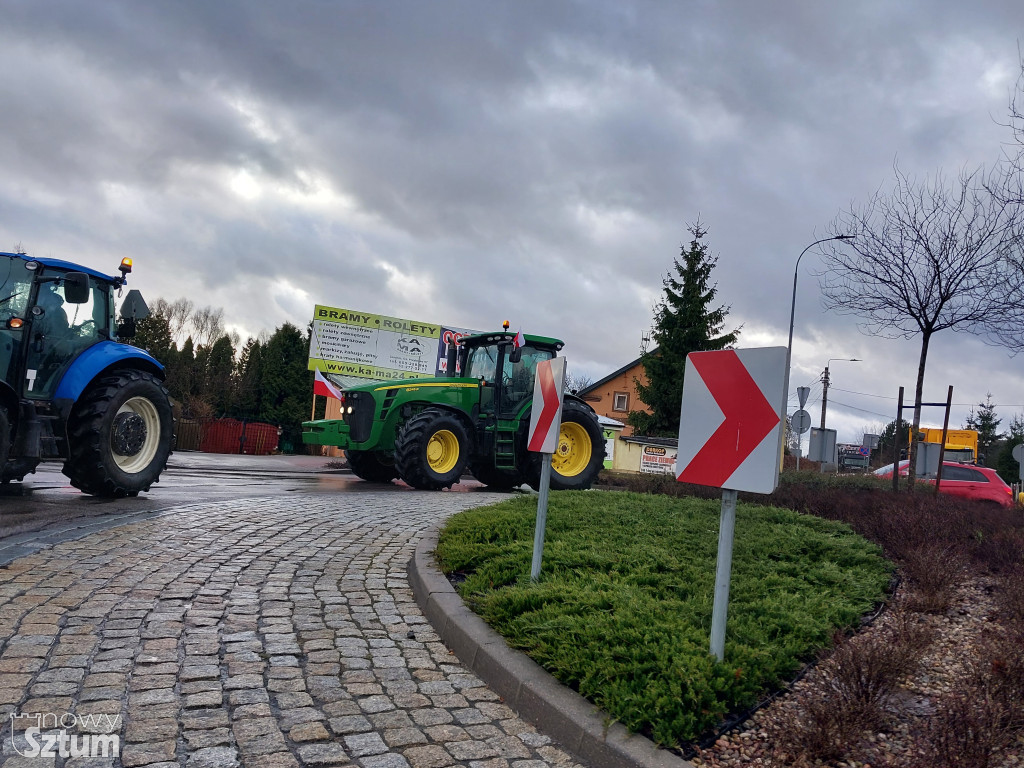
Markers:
point(961, 444)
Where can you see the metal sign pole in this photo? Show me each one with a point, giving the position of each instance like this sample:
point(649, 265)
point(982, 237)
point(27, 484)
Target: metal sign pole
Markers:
point(896, 445)
point(542, 515)
point(726, 528)
point(801, 394)
point(543, 437)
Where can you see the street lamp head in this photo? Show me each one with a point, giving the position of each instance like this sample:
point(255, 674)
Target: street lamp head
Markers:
point(844, 237)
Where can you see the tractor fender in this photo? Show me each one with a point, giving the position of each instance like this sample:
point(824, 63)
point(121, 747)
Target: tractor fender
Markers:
point(566, 397)
point(97, 359)
point(417, 406)
point(410, 409)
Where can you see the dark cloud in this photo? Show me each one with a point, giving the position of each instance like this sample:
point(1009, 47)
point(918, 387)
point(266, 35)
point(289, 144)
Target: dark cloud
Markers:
point(470, 161)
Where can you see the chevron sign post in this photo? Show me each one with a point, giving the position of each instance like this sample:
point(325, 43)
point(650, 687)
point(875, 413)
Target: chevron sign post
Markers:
point(730, 437)
point(545, 424)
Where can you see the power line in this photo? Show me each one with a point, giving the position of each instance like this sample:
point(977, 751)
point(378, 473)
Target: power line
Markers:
point(862, 410)
point(962, 405)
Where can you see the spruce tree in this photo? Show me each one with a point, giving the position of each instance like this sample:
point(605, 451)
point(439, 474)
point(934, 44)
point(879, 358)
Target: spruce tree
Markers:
point(286, 383)
point(685, 321)
point(987, 425)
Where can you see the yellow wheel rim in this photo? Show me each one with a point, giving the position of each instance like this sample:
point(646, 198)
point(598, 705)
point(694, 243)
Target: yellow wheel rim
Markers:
point(442, 451)
point(573, 453)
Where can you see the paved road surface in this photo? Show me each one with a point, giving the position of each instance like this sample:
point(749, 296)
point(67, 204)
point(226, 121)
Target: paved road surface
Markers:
point(42, 507)
point(270, 630)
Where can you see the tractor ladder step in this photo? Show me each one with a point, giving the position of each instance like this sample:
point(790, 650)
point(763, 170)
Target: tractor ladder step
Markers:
point(505, 450)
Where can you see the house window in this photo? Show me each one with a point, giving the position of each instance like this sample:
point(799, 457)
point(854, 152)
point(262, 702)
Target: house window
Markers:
point(621, 402)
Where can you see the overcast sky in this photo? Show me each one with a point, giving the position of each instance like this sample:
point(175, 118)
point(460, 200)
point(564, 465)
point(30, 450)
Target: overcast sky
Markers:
point(468, 162)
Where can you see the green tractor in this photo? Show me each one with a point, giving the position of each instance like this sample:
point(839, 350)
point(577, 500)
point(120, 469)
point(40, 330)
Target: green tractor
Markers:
point(429, 431)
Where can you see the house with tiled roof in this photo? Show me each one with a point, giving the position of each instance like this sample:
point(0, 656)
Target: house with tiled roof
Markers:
point(615, 395)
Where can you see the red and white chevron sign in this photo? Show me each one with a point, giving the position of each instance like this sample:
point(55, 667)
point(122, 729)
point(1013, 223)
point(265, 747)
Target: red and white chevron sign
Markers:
point(730, 427)
point(546, 416)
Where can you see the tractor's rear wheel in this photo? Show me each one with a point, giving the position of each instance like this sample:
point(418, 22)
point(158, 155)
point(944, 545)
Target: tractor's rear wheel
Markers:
point(432, 449)
point(494, 478)
point(579, 455)
point(372, 466)
point(120, 433)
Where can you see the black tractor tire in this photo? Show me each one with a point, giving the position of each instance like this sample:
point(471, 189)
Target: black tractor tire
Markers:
point(579, 456)
point(494, 478)
point(432, 449)
point(372, 466)
point(120, 434)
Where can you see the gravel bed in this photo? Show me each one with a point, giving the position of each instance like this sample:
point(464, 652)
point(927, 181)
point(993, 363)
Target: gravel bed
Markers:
point(954, 637)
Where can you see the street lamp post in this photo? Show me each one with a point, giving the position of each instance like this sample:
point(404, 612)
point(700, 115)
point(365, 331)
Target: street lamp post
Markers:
point(792, 306)
point(824, 383)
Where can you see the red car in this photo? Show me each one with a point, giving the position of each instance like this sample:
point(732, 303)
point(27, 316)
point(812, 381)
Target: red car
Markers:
point(966, 480)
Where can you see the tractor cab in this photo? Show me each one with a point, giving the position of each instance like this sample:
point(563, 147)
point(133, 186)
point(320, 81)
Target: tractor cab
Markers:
point(50, 312)
point(506, 372)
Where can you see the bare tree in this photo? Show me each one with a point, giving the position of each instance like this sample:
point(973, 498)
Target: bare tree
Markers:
point(207, 325)
point(178, 313)
point(928, 257)
point(575, 382)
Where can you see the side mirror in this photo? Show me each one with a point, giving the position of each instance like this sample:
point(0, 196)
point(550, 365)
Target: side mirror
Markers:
point(515, 355)
point(76, 288)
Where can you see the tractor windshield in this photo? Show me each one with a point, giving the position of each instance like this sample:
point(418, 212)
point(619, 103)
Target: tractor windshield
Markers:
point(482, 363)
point(518, 377)
point(61, 330)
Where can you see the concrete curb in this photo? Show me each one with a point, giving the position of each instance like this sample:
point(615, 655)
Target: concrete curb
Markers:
point(524, 685)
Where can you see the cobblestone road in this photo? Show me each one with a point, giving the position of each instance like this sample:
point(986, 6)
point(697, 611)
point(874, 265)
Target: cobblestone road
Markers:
point(267, 633)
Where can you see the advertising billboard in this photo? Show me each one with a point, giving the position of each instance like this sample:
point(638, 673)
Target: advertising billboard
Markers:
point(360, 345)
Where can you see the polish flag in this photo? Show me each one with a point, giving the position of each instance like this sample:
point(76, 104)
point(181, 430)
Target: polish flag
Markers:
point(519, 340)
point(322, 386)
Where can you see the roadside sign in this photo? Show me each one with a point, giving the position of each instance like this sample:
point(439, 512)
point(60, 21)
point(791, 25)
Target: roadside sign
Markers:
point(546, 420)
point(823, 446)
point(1018, 454)
point(801, 394)
point(800, 421)
point(730, 437)
point(545, 425)
point(730, 427)
point(134, 306)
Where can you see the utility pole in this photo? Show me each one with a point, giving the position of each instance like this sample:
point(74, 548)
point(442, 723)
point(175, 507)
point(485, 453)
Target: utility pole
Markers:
point(824, 385)
point(824, 395)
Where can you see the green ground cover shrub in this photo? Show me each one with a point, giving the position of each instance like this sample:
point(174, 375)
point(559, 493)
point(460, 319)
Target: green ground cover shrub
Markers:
point(623, 609)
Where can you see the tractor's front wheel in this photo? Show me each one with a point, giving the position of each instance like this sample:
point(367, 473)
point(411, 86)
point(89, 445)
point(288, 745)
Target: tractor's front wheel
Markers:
point(432, 449)
point(372, 466)
point(579, 455)
point(120, 433)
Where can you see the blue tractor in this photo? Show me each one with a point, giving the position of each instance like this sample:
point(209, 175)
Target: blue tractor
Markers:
point(70, 387)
